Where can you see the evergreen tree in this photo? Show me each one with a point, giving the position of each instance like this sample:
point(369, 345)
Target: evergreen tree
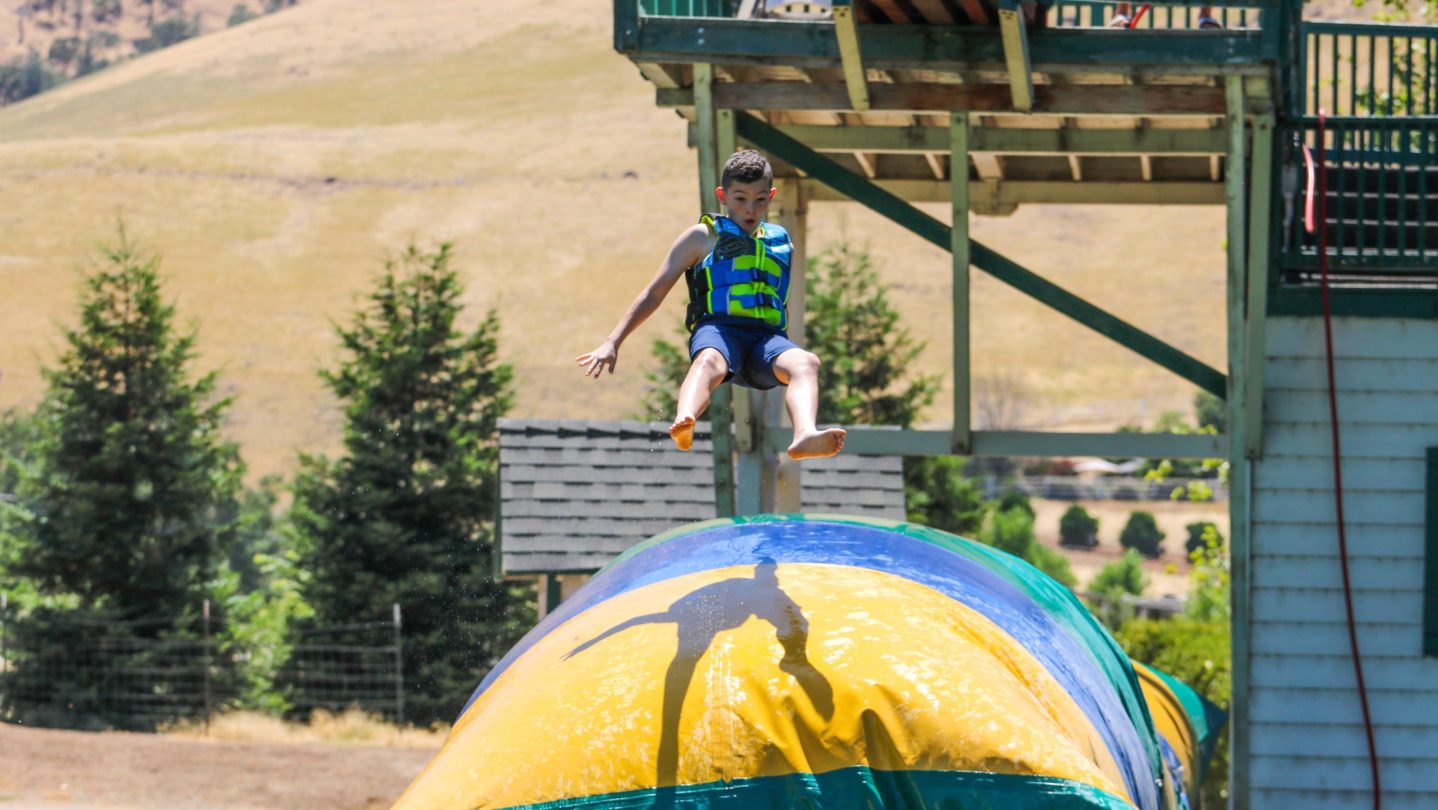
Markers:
point(406, 514)
point(123, 509)
point(132, 481)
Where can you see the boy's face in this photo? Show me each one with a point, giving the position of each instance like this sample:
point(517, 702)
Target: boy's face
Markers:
point(747, 202)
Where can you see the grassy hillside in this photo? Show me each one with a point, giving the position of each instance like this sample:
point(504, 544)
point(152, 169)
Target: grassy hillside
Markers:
point(276, 164)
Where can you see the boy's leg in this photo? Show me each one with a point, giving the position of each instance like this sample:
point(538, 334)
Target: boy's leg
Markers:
point(799, 371)
point(705, 374)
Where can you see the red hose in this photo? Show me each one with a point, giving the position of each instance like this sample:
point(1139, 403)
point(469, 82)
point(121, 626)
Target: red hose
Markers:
point(1308, 203)
point(1138, 16)
point(1337, 467)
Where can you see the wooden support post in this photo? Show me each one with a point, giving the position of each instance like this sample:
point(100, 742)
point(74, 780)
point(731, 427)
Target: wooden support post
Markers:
point(1260, 219)
point(719, 408)
point(745, 404)
point(1016, 54)
point(1239, 471)
point(962, 256)
point(847, 31)
point(784, 494)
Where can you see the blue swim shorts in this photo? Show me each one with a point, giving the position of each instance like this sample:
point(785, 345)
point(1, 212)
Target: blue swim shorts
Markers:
point(749, 351)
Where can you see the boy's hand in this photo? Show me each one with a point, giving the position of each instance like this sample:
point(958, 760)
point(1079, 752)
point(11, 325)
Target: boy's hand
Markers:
point(596, 361)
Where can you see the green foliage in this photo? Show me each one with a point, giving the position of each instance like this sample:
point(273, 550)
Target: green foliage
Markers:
point(1208, 581)
point(167, 32)
point(406, 514)
point(1141, 533)
point(1199, 534)
point(1078, 528)
point(63, 50)
point(124, 502)
point(239, 15)
point(1112, 585)
point(1197, 653)
point(1012, 531)
point(23, 77)
point(1124, 575)
point(662, 380)
point(1015, 500)
point(132, 484)
point(867, 356)
point(1211, 412)
point(937, 494)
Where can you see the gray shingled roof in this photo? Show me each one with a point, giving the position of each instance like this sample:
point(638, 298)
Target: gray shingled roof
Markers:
point(575, 494)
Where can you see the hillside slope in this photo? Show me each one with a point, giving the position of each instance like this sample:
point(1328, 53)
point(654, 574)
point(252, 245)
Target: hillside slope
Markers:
point(276, 164)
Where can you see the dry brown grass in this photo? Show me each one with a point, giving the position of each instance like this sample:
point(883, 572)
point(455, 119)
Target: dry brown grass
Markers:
point(275, 165)
point(350, 727)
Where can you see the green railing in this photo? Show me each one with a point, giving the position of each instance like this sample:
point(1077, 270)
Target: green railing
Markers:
point(688, 8)
point(1063, 13)
point(1382, 202)
point(1089, 14)
point(1366, 69)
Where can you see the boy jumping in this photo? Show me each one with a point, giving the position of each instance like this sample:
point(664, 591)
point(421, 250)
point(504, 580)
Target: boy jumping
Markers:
point(737, 269)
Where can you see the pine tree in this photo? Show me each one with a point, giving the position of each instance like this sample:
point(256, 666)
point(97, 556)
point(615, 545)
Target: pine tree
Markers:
point(132, 480)
point(124, 507)
point(406, 514)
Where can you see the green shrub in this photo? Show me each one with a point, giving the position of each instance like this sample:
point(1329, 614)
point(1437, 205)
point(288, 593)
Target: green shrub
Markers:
point(239, 15)
point(21, 78)
point(1015, 500)
point(1142, 534)
point(1197, 540)
point(1078, 528)
point(1012, 531)
point(167, 32)
point(1124, 575)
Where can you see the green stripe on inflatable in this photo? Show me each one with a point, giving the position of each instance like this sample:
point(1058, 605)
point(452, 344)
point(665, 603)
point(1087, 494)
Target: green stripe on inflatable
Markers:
point(1054, 598)
point(1207, 718)
point(861, 788)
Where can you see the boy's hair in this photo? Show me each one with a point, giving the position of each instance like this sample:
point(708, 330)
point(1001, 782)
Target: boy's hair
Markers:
point(746, 166)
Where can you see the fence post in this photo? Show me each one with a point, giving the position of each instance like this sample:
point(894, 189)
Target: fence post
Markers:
point(206, 613)
point(398, 668)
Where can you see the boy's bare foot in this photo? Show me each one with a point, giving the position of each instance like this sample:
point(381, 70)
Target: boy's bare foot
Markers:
point(682, 432)
point(818, 444)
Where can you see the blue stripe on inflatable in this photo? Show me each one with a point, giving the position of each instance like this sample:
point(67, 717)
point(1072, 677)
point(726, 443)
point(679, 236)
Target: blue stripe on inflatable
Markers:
point(960, 578)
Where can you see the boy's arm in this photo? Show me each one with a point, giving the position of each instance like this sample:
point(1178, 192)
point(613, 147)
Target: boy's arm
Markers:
point(686, 251)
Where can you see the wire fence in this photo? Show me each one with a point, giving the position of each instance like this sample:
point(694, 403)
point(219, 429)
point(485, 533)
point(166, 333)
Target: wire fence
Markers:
point(58, 670)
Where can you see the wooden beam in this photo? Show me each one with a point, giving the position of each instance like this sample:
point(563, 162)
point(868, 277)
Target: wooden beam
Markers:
point(960, 249)
point(1016, 54)
point(867, 440)
point(1003, 194)
point(928, 139)
point(946, 48)
point(893, 11)
point(868, 161)
point(977, 13)
point(936, 165)
point(719, 409)
point(1152, 100)
point(856, 81)
point(989, 165)
point(667, 76)
point(1260, 220)
point(1000, 267)
point(934, 12)
point(1076, 167)
point(1145, 166)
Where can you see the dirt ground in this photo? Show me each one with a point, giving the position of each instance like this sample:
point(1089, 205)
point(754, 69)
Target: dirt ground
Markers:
point(1168, 574)
point(49, 770)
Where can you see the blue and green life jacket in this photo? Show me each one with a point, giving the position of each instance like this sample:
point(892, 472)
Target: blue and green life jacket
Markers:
point(744, 276)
